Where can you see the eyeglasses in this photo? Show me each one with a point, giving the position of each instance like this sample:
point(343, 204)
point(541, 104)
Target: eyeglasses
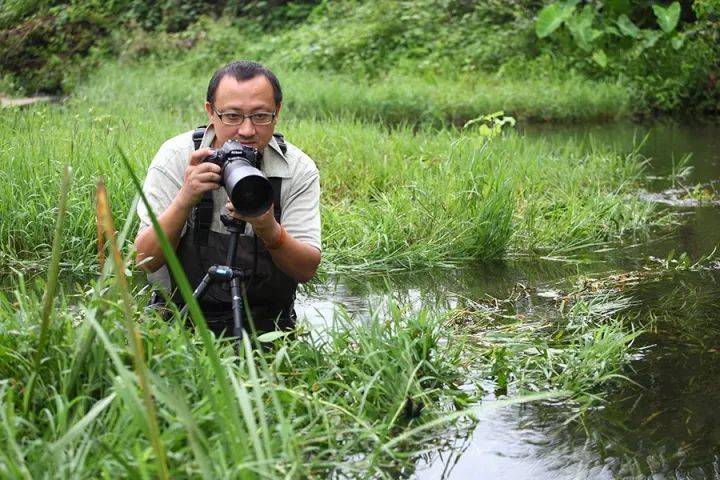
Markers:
point(234, 118)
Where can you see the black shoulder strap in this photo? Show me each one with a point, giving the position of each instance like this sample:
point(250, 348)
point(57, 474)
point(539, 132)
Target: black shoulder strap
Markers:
point(280, 139)
point(198, 135)
point(203, 211)
point(276, 182)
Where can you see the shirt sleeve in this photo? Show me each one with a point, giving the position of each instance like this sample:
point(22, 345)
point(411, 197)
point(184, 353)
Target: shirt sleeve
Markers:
point(301, 212)
point(160, 188)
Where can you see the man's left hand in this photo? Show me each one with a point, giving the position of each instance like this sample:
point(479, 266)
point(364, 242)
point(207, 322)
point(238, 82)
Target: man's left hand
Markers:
point(265, 226)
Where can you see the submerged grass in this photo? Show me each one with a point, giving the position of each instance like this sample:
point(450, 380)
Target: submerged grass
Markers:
point(582, 348)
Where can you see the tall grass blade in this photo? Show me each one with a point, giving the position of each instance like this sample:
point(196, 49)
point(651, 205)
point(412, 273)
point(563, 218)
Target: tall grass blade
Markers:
point(225, 405)
point(49, 297)
point(81, 424)
point(100, 238)
point(132, 330)
point(88, 336)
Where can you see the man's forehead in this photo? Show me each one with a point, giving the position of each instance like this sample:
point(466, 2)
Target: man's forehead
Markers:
point(256, 91)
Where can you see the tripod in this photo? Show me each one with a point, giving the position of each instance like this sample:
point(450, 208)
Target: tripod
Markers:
point(228, 273)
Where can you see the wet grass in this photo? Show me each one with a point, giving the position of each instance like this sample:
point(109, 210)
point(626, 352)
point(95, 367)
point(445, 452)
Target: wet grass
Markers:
point(579, 342)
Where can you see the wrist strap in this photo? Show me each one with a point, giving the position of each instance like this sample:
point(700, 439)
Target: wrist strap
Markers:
point(280, 240)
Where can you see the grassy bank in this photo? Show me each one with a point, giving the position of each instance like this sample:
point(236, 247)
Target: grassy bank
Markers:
point(398, 196)
point(304, 408)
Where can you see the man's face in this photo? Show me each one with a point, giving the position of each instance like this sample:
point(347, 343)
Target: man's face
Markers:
point(245, 97)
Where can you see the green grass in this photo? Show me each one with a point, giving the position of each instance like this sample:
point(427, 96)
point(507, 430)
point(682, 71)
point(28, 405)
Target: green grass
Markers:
point(304, 408)
point(364, 398)
point(393, 196)
point(581, 348)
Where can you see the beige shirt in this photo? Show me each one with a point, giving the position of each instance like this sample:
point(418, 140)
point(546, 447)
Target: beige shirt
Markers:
point(299, 195)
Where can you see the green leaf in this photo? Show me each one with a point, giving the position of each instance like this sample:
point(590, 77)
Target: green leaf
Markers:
point(668, 17)
point(580, 27)
point(600, 58)
point(552, 17)
point(677, 42)
point(627, 27)
point(271, 336)
point(651, 38)
point(79, 427)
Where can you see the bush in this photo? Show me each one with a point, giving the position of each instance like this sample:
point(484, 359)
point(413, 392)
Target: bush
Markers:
point(665, 54)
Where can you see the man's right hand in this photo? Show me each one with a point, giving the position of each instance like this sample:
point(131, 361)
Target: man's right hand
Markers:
point(200, 177)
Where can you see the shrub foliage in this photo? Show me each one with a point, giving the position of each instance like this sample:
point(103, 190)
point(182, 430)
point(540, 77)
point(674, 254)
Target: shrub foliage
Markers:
point(664, 53)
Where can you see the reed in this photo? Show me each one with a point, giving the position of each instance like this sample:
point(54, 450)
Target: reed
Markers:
point(133, 334)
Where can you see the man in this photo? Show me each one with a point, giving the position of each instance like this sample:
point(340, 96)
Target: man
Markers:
point(244, 100)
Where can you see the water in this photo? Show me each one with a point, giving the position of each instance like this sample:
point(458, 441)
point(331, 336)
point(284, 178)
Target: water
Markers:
point(666, 424)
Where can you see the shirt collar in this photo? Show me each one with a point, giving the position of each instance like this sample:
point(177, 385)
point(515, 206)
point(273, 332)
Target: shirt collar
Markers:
point(274, 164)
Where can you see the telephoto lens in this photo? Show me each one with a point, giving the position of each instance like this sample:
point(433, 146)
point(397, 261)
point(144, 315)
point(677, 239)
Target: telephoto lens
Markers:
point(249, 190)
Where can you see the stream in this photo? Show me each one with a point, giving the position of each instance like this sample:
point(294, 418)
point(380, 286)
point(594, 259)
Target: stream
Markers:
point(665, 422)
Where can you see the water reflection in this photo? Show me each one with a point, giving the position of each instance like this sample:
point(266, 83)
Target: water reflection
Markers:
point(667, 424)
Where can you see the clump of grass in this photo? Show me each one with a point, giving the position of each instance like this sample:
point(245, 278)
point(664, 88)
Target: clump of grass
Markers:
point(439, 101)
point(581, 346)
point(306, 406)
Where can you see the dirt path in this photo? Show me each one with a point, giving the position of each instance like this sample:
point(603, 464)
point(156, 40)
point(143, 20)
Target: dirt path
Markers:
point(7, 102)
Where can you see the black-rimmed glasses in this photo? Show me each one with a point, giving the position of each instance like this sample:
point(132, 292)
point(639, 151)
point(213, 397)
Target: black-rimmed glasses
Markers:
point(235, 118)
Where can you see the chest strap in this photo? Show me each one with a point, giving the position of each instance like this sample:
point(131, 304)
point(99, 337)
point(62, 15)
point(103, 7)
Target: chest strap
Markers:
point(202, 213)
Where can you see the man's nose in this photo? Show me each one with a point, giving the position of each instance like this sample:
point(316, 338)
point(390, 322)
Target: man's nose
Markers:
point(246, 128)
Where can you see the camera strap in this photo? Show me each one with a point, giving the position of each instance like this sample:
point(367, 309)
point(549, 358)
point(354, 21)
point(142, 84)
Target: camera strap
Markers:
point(203, 211)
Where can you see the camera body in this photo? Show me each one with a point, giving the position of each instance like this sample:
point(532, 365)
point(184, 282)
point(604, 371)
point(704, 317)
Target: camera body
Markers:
point(233, 151)
point(247, 187)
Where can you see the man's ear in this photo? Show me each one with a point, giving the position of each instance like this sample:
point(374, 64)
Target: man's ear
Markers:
point(209, 110)
point(277, 112)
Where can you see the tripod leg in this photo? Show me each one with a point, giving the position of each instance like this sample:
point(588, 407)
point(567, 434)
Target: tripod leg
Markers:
point(237, 307)
point(199, 291)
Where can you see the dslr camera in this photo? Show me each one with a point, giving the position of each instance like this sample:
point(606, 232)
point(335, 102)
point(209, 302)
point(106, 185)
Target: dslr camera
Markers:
point(249, 190)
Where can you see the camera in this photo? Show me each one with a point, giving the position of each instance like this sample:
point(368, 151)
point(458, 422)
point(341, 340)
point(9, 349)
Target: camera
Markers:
point(249, 190)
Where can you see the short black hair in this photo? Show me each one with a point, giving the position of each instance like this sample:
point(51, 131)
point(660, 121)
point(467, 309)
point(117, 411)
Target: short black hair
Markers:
point(244, 70)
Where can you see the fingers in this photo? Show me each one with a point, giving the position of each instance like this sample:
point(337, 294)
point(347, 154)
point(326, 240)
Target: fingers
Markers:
point(207, 167)
point(231, 210)
point(207, 177)
point(199, 155)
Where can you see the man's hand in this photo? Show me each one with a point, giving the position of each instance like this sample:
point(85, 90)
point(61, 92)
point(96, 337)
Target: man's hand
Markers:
point(297, 259)
point(265, 225)
point(200, 177)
